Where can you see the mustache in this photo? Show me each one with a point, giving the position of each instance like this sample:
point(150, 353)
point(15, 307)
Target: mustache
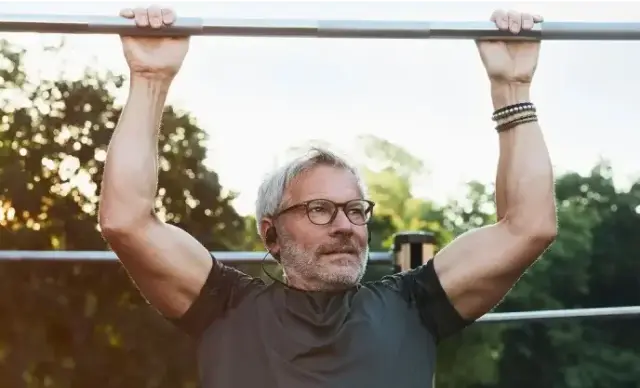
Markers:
point(339, 247)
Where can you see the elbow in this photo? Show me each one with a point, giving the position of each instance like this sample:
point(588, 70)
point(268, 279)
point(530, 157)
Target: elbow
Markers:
point(111, 230)
point(539, 229)
point(545, 234)
point(539, 239)
point(123, 216)
point(547, 226)
point(121, 224)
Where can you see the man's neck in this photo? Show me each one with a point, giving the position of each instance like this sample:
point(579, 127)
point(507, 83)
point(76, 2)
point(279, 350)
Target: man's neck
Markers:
point(302, 284)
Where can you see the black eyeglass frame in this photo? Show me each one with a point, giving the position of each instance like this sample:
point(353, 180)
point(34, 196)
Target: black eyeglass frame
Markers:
point(336, 206)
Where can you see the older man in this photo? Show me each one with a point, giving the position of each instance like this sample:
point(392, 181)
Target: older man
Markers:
point(323, 327)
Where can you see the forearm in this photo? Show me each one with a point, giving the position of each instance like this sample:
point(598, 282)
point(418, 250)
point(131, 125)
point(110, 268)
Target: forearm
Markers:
point(524, 182)
point(503, 163)
point(130, 177)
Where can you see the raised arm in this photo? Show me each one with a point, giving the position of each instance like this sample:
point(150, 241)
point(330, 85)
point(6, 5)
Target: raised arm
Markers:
point(479, 268)
point(168, 265)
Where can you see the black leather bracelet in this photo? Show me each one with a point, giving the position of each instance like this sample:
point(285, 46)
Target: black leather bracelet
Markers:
point(514, 123)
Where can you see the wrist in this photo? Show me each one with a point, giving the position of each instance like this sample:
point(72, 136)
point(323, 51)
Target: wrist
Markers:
point(505, 94)
point(152, 88)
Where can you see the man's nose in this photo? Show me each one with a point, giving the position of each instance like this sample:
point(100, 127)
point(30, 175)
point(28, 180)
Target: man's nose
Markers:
point(341, 223)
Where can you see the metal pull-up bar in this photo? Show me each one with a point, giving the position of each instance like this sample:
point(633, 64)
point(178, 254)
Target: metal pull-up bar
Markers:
point(387, 29)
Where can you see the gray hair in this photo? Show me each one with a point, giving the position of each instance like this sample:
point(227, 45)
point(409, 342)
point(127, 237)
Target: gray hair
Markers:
point(271, 191)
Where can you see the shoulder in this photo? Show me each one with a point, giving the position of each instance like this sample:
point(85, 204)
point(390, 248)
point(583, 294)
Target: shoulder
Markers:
point(225, 289)
point(421, 290)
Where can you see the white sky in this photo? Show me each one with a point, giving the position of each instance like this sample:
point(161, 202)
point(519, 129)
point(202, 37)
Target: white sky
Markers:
point(256, 97)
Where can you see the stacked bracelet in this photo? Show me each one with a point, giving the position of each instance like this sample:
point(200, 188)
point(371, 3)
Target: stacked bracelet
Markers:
point(511, 116)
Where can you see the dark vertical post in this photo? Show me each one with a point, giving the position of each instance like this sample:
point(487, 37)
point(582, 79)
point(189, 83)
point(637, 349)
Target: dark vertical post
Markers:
point(412, 249)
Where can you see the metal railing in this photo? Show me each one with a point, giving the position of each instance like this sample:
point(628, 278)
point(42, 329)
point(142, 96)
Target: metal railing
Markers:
point(223, 256)
point(548, 315)
point(410, 249)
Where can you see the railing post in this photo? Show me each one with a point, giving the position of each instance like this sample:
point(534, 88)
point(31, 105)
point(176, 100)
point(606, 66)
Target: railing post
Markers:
point(412, 249)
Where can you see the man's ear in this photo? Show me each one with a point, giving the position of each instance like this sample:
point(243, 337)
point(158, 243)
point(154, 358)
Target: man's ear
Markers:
point(265, 225)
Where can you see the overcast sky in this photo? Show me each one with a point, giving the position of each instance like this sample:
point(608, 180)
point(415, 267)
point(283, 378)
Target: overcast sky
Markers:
point(258, 96)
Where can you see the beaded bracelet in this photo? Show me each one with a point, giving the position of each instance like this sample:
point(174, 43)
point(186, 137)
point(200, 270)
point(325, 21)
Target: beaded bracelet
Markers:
point(510, 110)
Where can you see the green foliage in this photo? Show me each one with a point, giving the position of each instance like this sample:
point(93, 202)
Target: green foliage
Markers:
point(593, 263)
point(83, 324)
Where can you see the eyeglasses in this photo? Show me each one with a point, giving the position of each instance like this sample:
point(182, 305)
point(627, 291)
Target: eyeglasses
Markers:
point(323, 211)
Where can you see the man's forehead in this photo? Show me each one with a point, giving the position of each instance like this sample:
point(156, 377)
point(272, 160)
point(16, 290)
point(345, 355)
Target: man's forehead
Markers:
point(325, 182)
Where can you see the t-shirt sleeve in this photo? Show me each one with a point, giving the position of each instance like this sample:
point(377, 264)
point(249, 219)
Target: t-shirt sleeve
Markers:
point(223, 290)
point(422, 289)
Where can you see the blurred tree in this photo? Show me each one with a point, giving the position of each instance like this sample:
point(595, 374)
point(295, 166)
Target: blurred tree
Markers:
point(252, 241)
point(594, 263)
point(53, 144)
point(390, 172)
point(81, 324)
point(472, 357)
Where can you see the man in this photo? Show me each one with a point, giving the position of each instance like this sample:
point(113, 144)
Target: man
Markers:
point(323, 328)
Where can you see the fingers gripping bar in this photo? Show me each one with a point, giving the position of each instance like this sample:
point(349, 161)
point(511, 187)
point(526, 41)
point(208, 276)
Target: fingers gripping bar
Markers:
point(185, 26)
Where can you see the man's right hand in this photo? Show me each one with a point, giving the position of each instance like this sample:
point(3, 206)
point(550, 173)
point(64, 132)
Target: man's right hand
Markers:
point(153, 57)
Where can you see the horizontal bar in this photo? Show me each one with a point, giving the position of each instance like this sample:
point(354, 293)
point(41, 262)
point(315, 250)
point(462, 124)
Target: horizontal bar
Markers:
point(77, 24)
point(544, 315)
point(377, 257)
point(224, 256)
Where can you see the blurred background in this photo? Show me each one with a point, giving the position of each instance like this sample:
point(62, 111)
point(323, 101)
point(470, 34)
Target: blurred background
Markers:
point(414, 115)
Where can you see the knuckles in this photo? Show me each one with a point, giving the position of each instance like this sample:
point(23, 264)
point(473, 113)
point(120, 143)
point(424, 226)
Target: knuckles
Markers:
point(156, 16)
point(152, 16)
point(514, 21)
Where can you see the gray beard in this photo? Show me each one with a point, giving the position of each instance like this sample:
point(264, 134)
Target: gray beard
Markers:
point(300, 264)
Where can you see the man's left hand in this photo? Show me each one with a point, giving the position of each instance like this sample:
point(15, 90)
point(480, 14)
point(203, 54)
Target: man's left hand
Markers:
point(511, 62)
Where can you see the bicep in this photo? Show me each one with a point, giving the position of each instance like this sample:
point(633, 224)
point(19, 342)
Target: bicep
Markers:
point(168, 265)
point(479, 267)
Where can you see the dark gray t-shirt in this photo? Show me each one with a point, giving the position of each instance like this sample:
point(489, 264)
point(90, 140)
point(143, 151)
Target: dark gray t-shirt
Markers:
point(379, 334)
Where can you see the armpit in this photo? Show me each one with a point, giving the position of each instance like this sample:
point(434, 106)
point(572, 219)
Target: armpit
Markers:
point(421, 288)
